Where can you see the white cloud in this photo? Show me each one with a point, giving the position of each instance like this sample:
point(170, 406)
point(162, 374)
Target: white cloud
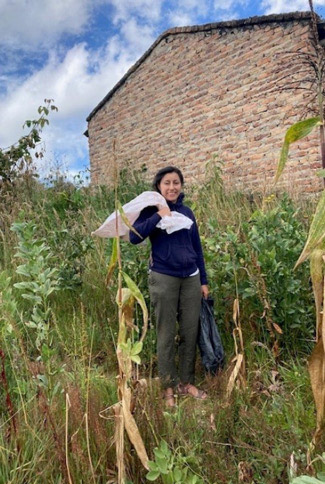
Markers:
point(31, 23)
point(139, 36)
point(180, 19)
point(228, 9)
point(187, 12)
point(77, 83)
point(76, 77)
point(146, 9)
point(280, 6)
point(229, 4)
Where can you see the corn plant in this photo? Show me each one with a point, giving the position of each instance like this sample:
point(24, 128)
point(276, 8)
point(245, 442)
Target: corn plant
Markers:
point(128, 350)
point(314, 250)
point(171, 467)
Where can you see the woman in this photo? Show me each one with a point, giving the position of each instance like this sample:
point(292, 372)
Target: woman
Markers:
point(177, 281)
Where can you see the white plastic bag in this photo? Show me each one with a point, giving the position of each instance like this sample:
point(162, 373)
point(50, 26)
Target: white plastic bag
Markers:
point(132, 209)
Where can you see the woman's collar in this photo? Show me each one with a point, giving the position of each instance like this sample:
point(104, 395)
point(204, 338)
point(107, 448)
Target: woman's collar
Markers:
point(178, 202)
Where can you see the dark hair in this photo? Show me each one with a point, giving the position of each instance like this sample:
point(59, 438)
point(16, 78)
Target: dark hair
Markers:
point(164, 171)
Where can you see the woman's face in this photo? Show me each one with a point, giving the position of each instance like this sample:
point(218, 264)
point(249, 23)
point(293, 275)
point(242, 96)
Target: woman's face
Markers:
point(170, 187)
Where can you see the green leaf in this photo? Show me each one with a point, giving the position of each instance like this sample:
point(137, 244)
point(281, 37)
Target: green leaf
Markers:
point(177, 474)
point(113, 261)
point(305, 480)
point(137, 348)
point(194, 479)
point(164, 447)
point(24, 285)
point(136, 359)
point(136, 293)
point(23, 271)
point(159, 453)
point(152, 465)
point(126, 347)
point(153, 475)
point(32, 297)
point(162, 464)
point(320, 173)
point(283, 159)
point(296, 132)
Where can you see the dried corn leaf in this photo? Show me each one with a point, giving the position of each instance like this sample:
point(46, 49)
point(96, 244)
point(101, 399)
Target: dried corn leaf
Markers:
point(316, 270)
point(237, 330)
point(119, 442)
point(128, 301)
point(316, 232)
point(235, 311)
point(296, 132)
point(234, 375)
point(316, 367)
point(136, 293)
point(132, 428)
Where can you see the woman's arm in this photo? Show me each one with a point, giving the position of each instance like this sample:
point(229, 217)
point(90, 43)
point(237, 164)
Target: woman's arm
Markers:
point(145, 224)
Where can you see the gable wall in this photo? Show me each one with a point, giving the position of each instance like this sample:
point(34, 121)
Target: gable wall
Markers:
point(204, 93)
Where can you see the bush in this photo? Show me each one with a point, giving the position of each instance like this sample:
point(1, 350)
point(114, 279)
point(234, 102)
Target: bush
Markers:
point(254, 262)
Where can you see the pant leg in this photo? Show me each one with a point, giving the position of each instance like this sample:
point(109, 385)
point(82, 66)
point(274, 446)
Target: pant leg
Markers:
point(164, 294)
point(188, 318)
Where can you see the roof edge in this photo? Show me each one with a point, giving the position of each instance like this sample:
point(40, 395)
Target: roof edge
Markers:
point(282, 17)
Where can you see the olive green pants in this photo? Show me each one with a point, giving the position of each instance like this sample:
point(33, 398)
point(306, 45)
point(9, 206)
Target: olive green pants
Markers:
point(176, 299)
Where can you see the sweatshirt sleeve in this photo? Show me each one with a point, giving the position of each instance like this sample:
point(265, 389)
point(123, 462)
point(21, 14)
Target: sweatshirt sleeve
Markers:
point(198, 249)
point(145, 224)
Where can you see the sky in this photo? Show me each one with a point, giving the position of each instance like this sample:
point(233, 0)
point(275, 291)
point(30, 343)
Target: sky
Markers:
point(75, 51)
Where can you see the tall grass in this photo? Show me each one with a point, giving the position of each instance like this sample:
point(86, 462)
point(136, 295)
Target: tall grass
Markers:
point(56, 420)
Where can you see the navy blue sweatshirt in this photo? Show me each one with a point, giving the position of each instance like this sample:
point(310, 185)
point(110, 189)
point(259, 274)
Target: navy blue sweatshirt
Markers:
point(178, 254)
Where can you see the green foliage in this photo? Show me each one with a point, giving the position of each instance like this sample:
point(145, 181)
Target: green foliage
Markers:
point(132, 351)
point(17, 158)
point(41, 281)
point(172, 468)
point(245, 247)
point(255, 261)
point(8, 304)
point(70, 249)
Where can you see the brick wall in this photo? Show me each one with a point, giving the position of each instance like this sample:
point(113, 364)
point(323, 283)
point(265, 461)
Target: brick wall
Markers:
point(211, 92)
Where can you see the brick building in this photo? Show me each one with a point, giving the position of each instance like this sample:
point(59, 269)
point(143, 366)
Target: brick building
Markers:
point(211, 89)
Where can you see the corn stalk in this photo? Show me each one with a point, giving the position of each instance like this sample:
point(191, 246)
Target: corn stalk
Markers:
point(238, 373)
point(127, 350)
point(315, 251)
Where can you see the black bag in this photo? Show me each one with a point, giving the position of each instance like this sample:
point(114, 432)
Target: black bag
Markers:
point(209, 340)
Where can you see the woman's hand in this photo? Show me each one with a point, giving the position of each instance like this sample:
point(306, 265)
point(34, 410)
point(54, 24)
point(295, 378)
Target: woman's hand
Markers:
point(164, 211)
point(205, 291)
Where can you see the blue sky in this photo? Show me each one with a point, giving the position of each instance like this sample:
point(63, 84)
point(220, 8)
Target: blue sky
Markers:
point(75, 51)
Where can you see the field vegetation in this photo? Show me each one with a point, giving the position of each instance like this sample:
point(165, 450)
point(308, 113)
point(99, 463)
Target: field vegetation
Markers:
point(59, 325)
